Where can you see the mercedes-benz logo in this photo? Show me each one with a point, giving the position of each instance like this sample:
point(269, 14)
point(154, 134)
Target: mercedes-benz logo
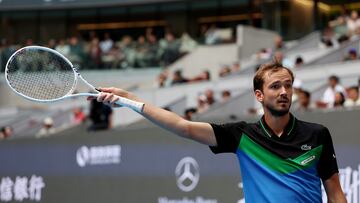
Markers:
point(187, 174)
point(82, 156)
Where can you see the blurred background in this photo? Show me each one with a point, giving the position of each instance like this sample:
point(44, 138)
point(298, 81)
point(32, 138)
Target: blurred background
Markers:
point(195, 58)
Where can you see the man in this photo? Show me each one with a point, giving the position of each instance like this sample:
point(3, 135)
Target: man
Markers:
point(6, 132)
point(353, 97)
point(329, 94)
point(282, 158)
point(304, 102)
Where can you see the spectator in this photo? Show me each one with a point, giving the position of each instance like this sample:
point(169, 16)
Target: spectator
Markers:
point(113, 58)
point(76, 54)
point(128, 47)
point(178, 78)
point(224, 71)
point(92, 35)
point(79, 115)
point(202, 104)
point(340, 29)
point(353, 97)
point(63, 48)
point(187, 44)
point(6, 51)
point(304, 101)
point(95, 53)
point(106, 43)
point(327, 37)
point(189, 113)
point(51, 43)
point(204, 76)
point(47, 128)
point(263, 54)
point(170, 48)
point(299, 62)
point(161, 79)
point(339, 100)
point(29, 42)
point(235, 67)
point(329, 94)
point(210, 99)
point(353, 22)
point(100, 116)
point(352, 55)
point(279, 56)
point(153, 54)
point(6, 132)
point(225, 95)
point(278, 42)
point(142, 49)
point(211, 36)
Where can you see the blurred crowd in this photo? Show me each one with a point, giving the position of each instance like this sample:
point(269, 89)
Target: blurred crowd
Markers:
point(103, 52)
point(342, 29)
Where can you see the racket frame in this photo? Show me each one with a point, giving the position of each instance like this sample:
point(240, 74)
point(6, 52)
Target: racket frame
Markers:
point(137, 106)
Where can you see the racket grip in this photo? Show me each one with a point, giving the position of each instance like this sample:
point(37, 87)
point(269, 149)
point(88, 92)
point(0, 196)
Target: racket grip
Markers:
point(134, 105)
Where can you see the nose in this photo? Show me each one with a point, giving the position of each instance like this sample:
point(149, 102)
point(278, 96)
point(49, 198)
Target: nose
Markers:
point(283, 91)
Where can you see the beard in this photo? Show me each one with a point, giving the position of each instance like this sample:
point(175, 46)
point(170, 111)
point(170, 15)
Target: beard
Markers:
point(276, 112)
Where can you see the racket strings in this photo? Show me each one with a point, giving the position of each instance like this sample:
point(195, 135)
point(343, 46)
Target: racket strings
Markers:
point(40, 74)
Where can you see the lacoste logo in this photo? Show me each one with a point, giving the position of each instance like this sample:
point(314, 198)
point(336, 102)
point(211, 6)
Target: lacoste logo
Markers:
point(305, 147)
point(306, 161)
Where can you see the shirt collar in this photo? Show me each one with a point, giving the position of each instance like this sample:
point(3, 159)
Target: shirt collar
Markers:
point(270, 134)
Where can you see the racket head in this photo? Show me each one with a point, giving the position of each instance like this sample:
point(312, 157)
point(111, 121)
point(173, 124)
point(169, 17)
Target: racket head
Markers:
point(40, 74)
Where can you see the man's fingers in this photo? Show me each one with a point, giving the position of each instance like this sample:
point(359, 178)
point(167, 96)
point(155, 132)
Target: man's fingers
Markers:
point(106, 89)
point(108, 98)
point(101, 97)
point(90, 98)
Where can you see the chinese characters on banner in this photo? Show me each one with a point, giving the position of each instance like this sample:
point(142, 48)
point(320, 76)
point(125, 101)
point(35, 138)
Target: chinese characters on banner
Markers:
point(21, 188)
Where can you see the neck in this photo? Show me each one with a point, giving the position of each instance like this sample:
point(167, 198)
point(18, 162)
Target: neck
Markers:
point(277, 124)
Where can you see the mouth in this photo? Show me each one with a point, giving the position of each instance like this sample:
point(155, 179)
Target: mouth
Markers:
point(283, 101)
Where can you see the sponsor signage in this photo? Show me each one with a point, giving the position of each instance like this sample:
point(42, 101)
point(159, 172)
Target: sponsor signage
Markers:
point(187, 173)
point(21, 188)
point(98, 155)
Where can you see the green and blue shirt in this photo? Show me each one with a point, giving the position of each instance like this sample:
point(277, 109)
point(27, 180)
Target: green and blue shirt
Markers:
point(288, 168)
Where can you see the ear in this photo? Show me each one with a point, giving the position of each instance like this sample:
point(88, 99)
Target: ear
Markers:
point(259, 96)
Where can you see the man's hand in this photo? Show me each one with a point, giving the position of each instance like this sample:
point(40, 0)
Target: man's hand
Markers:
point(107, 95)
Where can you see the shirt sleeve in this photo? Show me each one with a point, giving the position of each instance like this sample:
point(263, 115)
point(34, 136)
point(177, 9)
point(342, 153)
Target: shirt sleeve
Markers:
point(227, 137)
point(327, 163)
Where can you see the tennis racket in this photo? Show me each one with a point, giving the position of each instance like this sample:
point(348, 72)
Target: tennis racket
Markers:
point(43, 75)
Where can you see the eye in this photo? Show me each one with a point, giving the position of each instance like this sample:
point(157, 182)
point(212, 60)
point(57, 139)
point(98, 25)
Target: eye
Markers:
point(275, 86)
point(288, 85)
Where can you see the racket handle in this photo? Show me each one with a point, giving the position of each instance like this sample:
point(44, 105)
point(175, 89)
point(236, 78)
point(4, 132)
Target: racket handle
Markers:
point(134, 105)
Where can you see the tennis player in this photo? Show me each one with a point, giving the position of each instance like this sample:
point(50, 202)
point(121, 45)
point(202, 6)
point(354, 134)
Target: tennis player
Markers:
point(283, 159)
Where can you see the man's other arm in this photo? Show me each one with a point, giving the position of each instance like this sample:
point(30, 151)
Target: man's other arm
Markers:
point(333, 190)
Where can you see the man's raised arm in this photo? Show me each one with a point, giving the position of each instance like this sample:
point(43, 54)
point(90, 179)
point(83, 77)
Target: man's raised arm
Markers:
point(198, 131)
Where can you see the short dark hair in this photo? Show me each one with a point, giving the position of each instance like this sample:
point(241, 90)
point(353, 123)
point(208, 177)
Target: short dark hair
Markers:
point(273, 67)
point(299, 60)
point(334, 77)
point(306, 93)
